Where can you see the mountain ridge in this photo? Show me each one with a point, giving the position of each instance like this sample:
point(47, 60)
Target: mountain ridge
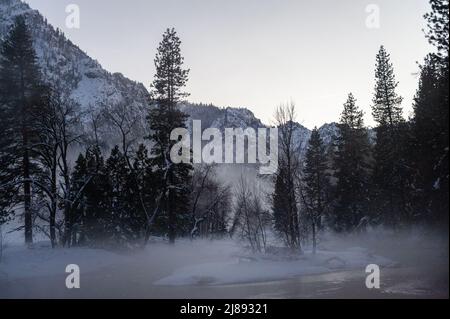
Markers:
point(96, 89)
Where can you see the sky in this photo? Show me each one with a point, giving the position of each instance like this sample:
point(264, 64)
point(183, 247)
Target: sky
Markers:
point(259, 54)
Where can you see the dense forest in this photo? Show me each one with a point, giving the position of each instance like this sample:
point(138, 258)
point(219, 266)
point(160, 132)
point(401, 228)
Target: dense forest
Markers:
point(394, 175)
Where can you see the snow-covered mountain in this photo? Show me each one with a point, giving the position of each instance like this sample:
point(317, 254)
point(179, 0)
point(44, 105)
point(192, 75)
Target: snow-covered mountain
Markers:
point(213, 116)
point(65, 64)
point(94, 88)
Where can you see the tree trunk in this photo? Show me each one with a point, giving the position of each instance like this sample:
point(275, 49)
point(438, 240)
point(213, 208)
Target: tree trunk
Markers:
point(67, 228)
point(314, 236)
point(172, 220)
point(53, 208)
point(27, 192)
point(52, 224)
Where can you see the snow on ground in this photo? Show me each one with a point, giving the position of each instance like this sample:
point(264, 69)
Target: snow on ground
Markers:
point(19, 262)
point(250, 269)
point(227, 263)
point(411, 266)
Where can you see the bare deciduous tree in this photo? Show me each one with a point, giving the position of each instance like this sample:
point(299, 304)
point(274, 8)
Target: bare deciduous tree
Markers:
point(250, 218)
point(210, 202)
point(57, 133)
point(285, 203)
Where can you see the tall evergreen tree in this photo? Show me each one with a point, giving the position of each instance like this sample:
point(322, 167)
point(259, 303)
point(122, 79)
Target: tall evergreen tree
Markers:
point(105, 204)
point(95, 219)
point(171, 179)
point(124, 219)
point(79, 179)
point(144, 189)
point(284, 209)
point(391, 169)
point(430, 123)
point(351, 165)
point(438, 28)
point(20, 87)
point(316, 182)
point(386, 103)
point(117, 205)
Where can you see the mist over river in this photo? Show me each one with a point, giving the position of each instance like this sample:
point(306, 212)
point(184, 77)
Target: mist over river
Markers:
point(413, 266)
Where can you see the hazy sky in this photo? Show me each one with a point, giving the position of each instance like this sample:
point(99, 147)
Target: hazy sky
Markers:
point(258, 53)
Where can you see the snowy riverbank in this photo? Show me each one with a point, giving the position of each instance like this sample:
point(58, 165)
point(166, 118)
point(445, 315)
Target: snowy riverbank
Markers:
point(223, 269)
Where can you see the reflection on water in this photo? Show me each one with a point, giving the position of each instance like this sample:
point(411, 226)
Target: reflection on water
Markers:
point(396, 283)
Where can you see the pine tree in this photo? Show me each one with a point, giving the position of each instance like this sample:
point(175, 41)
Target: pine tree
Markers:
point(172, 179)
point(79, 180)
point(386, 103)
point(95, 220)
point(20, 87)
point(282, 209)
point(390, 152)
point(105, 204)
point(144, 188)
point(430, 123)
point(351, 163)
point(316, 182)
point(438, 25)
point(8, 189)
point(125, 221)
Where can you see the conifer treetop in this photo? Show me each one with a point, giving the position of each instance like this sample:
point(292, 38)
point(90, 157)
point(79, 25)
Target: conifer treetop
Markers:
point(386, 108)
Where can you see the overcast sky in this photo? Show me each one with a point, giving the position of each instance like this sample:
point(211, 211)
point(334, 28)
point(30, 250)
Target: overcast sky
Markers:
point(258, 53)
